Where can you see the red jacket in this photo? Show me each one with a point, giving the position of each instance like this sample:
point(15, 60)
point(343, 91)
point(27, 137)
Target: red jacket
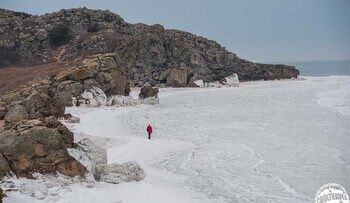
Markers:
point(149, 129)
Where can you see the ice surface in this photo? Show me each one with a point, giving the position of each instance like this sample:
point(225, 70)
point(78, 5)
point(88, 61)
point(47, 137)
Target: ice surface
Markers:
point(336, 98)
point(274, 141)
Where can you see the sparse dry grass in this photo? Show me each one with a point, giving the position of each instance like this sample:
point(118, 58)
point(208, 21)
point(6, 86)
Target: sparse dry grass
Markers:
point(12, 78)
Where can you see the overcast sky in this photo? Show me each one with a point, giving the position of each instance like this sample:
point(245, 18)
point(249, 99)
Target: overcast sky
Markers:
point(258, 30)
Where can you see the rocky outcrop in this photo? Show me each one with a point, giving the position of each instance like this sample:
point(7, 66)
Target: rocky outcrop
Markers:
point(145, 53)
point(33, 140)
point(66, 135)
point(100, 71)
point(148, 91)
point(34, 146)
point(16, 113)
point(50, 96)
point(177, 77)
point(28, 39)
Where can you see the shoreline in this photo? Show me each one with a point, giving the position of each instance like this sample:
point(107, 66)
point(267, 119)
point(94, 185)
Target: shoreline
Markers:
point(161, 185)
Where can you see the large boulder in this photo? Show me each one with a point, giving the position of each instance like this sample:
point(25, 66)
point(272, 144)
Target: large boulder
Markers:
point(114, 83)
point(94, 158)
point(32, 147)
point(16, 114)
point(177, 77)
point(148, 91)
point(35, 103)
point(58, 103)
point(11, 97)
point(66, 135)
point(118, 173)
point(110, 78)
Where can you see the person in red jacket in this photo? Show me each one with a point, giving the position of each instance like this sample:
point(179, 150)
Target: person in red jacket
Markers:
point(149, 130)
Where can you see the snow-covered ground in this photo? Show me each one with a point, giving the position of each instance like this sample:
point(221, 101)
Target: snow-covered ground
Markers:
point(274, 141)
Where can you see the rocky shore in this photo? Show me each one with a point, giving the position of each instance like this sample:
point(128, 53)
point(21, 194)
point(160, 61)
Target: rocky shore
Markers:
point(106, 56)
point(34, 141)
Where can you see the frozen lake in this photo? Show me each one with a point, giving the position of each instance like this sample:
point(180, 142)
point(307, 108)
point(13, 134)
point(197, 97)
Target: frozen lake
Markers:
point(275, 141)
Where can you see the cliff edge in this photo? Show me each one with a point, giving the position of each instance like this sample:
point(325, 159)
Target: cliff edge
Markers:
point(146, 53)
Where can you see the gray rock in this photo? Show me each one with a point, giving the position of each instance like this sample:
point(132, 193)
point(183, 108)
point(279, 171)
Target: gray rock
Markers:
point(89, 83)
point(35, 101)
point(16, 114)
point(148, 91)
point(27, 124)
point(179, 77)
point(23, 36)
point(59, 102)
point(66, 135)
point(37, 149)
point(41, 34)
point(71, 87)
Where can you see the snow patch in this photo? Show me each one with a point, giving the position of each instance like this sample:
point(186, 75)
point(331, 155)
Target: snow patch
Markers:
point(121, 101)
point(90, 155)
point(231, 80)
point(199, 83)
point(215, 84)
point(95, 97)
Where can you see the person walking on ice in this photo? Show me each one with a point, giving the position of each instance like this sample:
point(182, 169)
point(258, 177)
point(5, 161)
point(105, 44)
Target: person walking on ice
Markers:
point(149, 130)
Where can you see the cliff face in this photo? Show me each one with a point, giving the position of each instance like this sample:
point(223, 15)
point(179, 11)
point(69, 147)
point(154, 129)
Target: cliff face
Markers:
point(143, 52)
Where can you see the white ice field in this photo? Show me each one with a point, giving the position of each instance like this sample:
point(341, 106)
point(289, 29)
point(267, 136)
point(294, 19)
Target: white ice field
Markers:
point(274, 141)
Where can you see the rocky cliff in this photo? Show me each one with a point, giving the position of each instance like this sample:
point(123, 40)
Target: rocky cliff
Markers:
point(32, 139)
point(145, 53)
